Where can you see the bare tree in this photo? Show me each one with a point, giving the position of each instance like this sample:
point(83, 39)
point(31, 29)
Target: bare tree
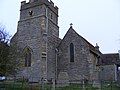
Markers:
point(4, 36)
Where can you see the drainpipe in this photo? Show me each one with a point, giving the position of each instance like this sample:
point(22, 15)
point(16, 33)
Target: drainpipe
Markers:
point(46, 14)
point(115, 72)
point(56, 52)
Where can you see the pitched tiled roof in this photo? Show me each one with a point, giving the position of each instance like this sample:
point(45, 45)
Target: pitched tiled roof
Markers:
point(109, 59)
point(54, 39)
point(92, 48)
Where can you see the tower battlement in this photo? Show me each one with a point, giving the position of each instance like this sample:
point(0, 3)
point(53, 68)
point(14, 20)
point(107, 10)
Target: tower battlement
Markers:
point(33, 3)
point(23, 2)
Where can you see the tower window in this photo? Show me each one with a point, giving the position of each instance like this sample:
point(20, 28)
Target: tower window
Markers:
point(51, 16)
point(71, 52)
point(30, 13)
point(27, 56)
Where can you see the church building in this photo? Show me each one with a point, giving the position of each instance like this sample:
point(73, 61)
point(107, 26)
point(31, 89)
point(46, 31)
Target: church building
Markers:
point(46, 56)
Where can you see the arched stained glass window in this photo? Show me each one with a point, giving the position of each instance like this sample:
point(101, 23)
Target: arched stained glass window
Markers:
point(71, 52)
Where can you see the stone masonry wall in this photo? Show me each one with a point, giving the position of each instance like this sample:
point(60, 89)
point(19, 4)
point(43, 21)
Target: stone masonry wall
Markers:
point(78, 69)
point(108, 73)
point(37, 23)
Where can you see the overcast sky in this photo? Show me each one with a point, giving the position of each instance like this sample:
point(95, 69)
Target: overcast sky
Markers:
point(98, 21)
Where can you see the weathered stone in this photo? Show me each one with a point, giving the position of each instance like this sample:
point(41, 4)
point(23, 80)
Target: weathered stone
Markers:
point(63, 79)
point(35, 28)
point(53, 58)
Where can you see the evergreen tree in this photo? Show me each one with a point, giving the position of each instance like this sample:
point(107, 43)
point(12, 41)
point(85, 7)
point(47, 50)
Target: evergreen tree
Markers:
point(4, 50)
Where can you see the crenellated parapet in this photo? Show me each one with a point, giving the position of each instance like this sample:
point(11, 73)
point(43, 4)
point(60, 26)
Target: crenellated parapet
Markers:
point(33, 3)
point(23, 2)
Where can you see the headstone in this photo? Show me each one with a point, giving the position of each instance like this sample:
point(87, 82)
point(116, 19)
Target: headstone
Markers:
point(63, 79)
point(53, 84)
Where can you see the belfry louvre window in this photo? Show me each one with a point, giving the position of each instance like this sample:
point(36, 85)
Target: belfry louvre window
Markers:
point(71, 52)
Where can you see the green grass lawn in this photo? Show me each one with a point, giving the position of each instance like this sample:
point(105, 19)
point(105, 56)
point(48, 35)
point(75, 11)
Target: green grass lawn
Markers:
point(76, 87)
point(109, 86)
point(26, 86)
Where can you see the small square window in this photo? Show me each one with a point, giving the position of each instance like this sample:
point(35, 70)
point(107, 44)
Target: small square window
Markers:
point(30, 13)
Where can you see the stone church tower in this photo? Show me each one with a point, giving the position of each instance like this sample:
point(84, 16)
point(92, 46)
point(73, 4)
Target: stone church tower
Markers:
point(43, 55)
point(37, 37)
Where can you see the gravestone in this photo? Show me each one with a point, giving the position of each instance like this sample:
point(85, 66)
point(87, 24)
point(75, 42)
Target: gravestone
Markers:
point(63, 79)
